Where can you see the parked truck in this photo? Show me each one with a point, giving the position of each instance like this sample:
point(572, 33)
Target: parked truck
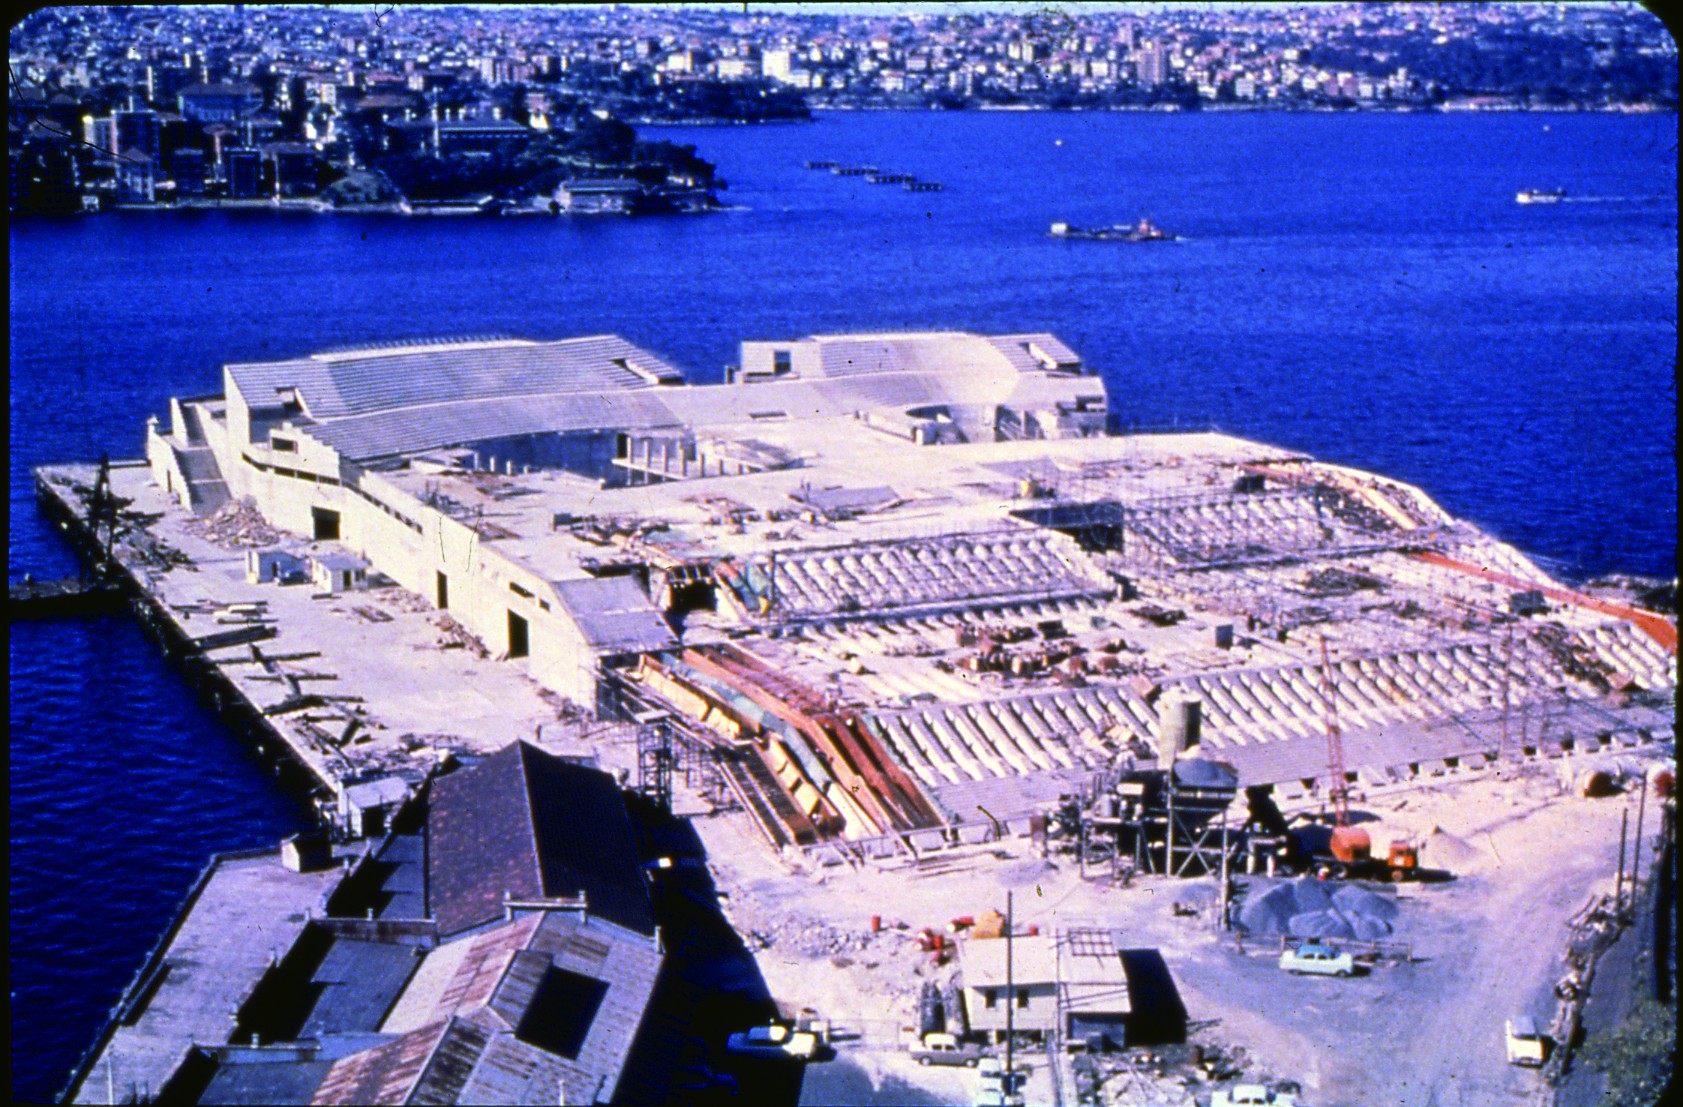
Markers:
point(1330, 852)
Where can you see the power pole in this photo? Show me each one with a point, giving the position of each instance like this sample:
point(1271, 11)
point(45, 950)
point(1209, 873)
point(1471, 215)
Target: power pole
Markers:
point(1011, 987)
point(1619, 880)
point(1636, 846)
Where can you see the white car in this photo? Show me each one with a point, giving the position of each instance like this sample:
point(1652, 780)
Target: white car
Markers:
point(1251, 1095)
point(997, 1088)
point(773, 1041)
point(1526, 1044)
point(1312, 957)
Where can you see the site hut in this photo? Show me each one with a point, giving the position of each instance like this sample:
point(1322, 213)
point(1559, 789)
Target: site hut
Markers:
point(334, 571)
point(1031, 993)
point(1095, 1004)
point(263, 566)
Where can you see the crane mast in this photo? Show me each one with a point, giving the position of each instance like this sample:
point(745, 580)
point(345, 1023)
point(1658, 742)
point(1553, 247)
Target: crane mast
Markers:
point(1339, 791)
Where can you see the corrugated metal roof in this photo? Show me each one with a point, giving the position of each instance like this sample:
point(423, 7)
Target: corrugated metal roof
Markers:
point(384, 1074)
point(1092, 977)
point(339, 385)
point(614, 615)
point(459, 975)
point(489, 987)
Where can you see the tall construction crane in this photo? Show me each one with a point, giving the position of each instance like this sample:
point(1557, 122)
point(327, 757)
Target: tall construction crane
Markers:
point(1351, 849)
point(1339, 790)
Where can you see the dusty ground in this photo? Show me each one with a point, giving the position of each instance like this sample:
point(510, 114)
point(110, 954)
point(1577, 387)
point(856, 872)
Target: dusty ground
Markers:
point(1487, 944)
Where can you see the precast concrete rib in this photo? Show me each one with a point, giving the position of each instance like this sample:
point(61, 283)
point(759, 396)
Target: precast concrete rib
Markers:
point(966, 760)
point(1411, 697)
point(1479, 666)
point(1087, 703)
point(1007, 726)
point(1012, 724)
point(1310, 703)
point(1054, 710)
point(1361, 686)
point(1401, 666)
point(1261, 686)
point(906, 737)
point(1286, 712)
point(1050, 744)
point(966, 730)
point(1229, 723)
point(981, 720)
point(1260, 719)
point(908, 750)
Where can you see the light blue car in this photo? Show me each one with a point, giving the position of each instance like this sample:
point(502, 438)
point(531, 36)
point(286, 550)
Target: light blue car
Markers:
point(1313, 957)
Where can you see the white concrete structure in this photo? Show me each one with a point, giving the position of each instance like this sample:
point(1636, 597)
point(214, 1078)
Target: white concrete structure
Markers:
point(356, 447)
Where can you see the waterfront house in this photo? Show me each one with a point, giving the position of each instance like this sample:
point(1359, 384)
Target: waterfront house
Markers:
point(601, 196)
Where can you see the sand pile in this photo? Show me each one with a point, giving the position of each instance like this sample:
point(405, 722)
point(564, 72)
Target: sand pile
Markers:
point(1444, 850)
point(1310, 908)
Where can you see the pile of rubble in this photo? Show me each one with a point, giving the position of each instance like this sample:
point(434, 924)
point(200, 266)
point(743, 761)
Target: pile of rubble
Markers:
point(1167, 1076)
point(816, 939)
point(455, 636)
point(236, 525)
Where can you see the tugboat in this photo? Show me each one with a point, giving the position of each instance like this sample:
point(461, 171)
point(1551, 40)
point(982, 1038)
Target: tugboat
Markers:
point(1541, 196)
point(1143, 231)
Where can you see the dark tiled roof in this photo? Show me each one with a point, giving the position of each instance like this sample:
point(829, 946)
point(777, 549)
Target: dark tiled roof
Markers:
point(266, 1082)
point(482, 847)
point(529, 825)
point(359, 982)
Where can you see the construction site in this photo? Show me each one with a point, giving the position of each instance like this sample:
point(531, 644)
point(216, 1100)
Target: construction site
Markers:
point(904, 628)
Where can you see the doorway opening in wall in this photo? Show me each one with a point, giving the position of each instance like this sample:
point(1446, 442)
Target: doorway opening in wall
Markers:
point(326, 524)
point(443, 592)
point(519, 644)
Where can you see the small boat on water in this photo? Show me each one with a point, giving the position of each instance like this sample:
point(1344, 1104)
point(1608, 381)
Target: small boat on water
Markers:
point(1541, 196)
point(1143, 231)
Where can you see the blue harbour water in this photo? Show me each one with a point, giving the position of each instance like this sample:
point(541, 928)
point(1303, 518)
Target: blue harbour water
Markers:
point(1363, 288)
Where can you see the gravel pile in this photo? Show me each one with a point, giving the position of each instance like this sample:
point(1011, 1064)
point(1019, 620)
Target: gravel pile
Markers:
point(1310, 908)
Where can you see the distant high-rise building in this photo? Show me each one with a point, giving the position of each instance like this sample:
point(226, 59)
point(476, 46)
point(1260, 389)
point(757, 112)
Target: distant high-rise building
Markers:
point(188, 170)
point(1152, 65)
point(243, 168)
point(137, 130)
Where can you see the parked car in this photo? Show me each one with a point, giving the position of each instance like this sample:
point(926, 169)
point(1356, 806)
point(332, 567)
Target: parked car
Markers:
point(1312, 957)
point(997, 1088)
point(1251, 1095)
point(1526, 1044)
point(944, 1049)
point(773, 1041)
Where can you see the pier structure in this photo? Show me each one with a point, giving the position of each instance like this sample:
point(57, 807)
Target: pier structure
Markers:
point(497, 944)
point(891, 592)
